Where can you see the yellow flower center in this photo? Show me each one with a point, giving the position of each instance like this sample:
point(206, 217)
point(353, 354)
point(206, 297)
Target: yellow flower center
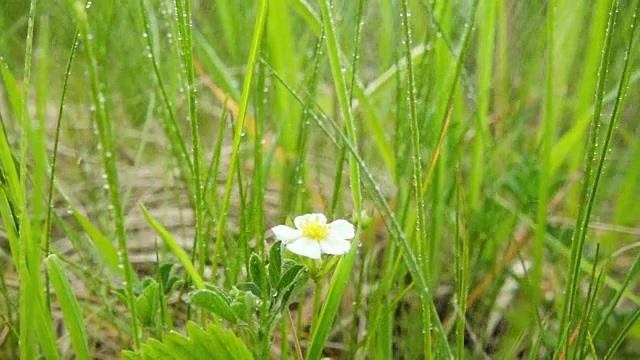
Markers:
point(314, 230)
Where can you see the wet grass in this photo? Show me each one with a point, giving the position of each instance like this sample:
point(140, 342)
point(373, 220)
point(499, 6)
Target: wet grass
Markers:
point(486, 150)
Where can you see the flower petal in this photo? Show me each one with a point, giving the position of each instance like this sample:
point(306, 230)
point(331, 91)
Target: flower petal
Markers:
point(318, 218)
point(285, 233)
point(341, 230)
point(305, 247)
point(335, 247)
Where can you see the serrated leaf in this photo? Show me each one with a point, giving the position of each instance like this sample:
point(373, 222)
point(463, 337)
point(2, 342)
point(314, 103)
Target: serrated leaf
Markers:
point(181, 348)
point(211, 343)
point(229, 341)
point(157, 349)
point(215, 343)
point(129, 355)
point(214, 302)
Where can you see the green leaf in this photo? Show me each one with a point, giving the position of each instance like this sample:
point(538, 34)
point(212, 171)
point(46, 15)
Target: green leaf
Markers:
point(290, 283)
point(251, 287)
point(158, 350)
point(244, 304)
point(144, 310)
point(69, 305)
point(258, 272)
point(215, 343)
point(213, 301)
point(148, 304)
point(211, 345)
point(228, 341)
point(165, 271)
point(180, 345)
point(121, 294)
point(169, 280)
point(275, 263)
point(128, 355)
point(289, 278)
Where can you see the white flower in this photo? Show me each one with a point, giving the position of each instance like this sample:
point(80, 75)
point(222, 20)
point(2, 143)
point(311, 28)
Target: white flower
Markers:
point(313, 236)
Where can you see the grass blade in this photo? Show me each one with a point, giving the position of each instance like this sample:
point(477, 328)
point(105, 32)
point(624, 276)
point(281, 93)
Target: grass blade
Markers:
point(175, 248)
point(106, 139)
point(244, 105)
point(69, 305)
point(343, 271)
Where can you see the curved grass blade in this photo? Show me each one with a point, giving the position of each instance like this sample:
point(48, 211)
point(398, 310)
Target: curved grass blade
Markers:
point(54, 158)
point(104, 245)
point(175, 248)
point(244, 105)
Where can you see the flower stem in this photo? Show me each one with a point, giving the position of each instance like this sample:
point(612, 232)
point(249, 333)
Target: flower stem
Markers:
point(317, 297)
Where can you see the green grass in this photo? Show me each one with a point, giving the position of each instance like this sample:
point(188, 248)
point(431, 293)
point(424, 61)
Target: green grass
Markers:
point(487, 152)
